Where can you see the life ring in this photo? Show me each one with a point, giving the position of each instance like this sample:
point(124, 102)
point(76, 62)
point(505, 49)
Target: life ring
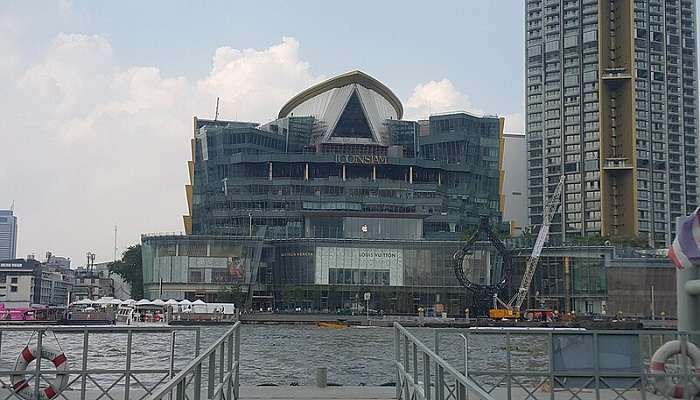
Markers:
point(56, 385)
point(657, 369)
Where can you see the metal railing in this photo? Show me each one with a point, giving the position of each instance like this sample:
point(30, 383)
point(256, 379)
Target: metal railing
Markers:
point(103, 361)
point(440, 380)
point(561, 364)
point(221, 385)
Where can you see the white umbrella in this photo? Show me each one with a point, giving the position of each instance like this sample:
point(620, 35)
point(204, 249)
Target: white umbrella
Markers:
point(103, 300)
point(185, 302)
point(171, 302)
point(129, 301)
point(144, 302)
point(198, 302)
point(115, 302)
point(84, 301)
point(158, 302)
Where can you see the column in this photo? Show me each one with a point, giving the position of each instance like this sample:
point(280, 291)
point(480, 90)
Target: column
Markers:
point(374, 172)
point(343, 171)
point(269, 170)
point(306, 171)
point(410, 174)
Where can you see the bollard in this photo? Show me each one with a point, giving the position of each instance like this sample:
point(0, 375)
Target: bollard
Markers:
point(321, 377)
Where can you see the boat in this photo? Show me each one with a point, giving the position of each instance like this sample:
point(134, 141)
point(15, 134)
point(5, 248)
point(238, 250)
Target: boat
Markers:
point(332, 324)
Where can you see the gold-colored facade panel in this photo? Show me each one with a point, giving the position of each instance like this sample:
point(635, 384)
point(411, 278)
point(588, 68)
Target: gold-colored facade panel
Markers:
point(617, 124)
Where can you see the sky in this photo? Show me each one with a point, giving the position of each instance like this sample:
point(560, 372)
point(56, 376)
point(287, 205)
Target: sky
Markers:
point(98, 97)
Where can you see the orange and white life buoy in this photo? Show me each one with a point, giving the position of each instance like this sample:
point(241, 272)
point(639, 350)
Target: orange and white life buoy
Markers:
point(664, 383)
point(56, 385)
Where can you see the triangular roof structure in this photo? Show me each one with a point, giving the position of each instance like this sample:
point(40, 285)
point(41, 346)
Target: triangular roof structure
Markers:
point(352, 122)
point(351, 108)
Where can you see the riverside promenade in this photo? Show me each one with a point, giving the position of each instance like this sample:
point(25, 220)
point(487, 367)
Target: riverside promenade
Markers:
point(537, 364)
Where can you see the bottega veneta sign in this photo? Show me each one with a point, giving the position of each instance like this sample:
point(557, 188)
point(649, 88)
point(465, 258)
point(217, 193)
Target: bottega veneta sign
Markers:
point(359, 159)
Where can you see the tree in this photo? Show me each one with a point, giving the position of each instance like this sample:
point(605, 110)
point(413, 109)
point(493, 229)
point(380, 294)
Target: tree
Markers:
point(232, 294)
point(130, 268)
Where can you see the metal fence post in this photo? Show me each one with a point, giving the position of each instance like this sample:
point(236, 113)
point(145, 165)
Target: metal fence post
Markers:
point(222, 362)
point(397, 360)
point(509, 378)
point(550, 350)
point(439, 382)
point(37, 370)
point(415, 363)
point(172, 358)
point(83, 373)
point(127, 372)
point(426, 376)
point(229, 365)
point(237, 352)
point(596, 365)
point(211, 375)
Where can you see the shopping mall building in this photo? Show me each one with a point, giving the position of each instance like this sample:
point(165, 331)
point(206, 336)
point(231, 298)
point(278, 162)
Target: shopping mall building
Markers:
point(337, 197)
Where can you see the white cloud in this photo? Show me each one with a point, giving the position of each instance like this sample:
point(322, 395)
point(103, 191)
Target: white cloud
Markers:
point(96, 143)
point(437, 96)
point(442, 96)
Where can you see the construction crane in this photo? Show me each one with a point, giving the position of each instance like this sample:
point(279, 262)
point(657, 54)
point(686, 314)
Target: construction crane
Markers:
point(512, 308)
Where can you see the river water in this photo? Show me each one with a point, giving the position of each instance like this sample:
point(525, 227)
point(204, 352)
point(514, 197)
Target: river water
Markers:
point(283, 354)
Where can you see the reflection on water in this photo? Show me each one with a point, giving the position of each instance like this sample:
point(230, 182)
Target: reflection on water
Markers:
point(285, 354)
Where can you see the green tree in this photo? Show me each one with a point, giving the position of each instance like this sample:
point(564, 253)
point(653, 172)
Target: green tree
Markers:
point(232, 294)
point(130, 268)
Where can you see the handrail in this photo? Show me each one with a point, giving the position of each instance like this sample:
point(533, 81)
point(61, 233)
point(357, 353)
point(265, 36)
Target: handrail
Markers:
point(432, 356)
point(133, 376)
point(179, 381)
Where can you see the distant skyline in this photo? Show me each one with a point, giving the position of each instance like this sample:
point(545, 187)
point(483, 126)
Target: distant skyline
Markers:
point(98, 97)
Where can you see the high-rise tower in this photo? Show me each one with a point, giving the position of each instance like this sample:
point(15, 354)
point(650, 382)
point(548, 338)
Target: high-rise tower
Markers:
point(8, 235)
point(612, 103)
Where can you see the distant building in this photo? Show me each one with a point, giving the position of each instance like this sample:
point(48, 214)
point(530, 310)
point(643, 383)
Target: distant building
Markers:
point(8, 235)
point(515, 182)
point(612, 103)
point(600, 280)
point(122, 290)
point(24, 283)
point(92, 284)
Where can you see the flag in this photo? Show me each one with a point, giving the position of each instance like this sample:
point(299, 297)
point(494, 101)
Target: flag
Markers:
point(685, 250)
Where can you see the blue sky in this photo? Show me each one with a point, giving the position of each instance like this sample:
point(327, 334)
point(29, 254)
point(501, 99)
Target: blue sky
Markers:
point(478, 45)
point(99, 96)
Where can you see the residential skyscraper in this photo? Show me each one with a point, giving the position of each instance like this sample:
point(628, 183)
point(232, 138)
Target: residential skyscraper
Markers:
point(612, 103)
point(8, 235)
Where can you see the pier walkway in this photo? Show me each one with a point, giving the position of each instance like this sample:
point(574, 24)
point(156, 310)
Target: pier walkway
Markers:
point(525, 364)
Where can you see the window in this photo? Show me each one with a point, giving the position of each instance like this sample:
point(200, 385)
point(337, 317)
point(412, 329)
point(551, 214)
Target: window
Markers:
point(13, 280)
point(13, 289)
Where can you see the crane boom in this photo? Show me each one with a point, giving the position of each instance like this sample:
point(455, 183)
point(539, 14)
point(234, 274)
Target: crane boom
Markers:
point(547, 215)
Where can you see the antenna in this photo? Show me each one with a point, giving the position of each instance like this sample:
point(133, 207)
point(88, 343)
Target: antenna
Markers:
point(115, 243)
point(216, 113)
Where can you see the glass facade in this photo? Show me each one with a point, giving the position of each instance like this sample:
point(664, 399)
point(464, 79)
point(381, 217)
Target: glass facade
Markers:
point(611, 103)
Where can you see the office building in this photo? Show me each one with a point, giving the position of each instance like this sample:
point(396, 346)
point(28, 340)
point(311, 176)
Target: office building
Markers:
point(336, 197)
point(8, 235)
point(28, 282)
point(611, 97)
